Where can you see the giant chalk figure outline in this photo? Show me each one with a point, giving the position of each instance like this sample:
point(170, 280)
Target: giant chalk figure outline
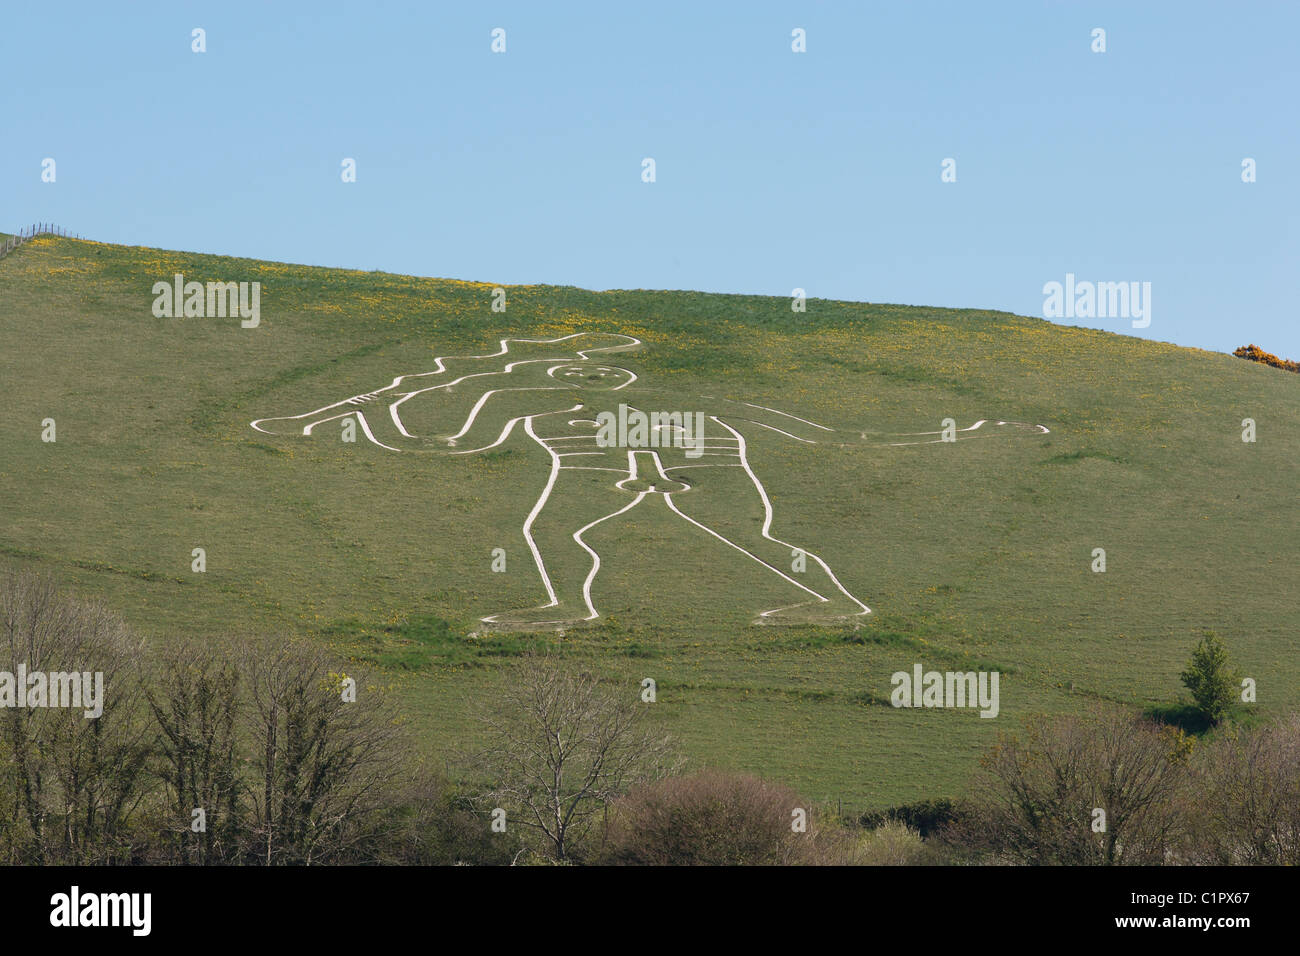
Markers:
point(566, 373)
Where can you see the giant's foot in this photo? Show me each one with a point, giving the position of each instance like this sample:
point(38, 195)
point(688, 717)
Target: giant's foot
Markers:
point(553, 617)
point(839, 613)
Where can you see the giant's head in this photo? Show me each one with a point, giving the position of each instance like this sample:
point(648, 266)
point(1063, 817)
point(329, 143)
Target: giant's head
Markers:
point(592, 376)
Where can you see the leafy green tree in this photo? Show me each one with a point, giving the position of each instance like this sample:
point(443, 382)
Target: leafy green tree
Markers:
point(1210, 678)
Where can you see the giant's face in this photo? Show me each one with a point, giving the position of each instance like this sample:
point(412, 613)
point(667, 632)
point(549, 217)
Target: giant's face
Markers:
point(593, 377)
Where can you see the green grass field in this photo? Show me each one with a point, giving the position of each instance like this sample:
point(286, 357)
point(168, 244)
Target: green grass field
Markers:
point(974, 555)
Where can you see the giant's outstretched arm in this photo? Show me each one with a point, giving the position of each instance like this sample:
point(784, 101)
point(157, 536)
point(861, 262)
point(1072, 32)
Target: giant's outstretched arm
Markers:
point(982, 428)
point(810, 432)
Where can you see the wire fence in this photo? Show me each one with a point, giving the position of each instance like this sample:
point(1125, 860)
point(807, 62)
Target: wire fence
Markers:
point(29, 232)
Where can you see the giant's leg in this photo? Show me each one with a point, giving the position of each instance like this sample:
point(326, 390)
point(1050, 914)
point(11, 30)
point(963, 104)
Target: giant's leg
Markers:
point(730, 503)
point(572, 503)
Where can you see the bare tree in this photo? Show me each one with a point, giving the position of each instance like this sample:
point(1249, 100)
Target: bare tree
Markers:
point(562, 747)
point(322, 760)
point(77, 752)
point(1100, 789)
point(1246, 804)
point(195, 704)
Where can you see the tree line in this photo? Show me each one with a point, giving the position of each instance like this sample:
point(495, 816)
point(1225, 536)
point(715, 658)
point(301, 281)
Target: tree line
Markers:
point(273, 753)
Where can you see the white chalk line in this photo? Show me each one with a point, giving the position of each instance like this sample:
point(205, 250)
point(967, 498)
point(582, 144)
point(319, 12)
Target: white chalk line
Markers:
point(1043, 430)
point(595, 558)
point(669, 501)
point(767, 523)
point(740, 451)
point(532, 516)
point(440, 368)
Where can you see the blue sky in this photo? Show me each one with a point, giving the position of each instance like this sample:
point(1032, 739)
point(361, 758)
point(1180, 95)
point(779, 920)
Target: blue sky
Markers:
point(774, 170)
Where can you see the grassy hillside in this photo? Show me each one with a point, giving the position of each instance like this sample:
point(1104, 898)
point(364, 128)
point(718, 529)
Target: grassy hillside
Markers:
point(974, 554)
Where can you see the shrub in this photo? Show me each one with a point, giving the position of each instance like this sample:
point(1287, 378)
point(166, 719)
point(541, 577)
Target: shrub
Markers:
point(709, 819)
point(1254, 353)
point(925, 816)
point(893, 843)
point(1210, 679)
point(432, 823)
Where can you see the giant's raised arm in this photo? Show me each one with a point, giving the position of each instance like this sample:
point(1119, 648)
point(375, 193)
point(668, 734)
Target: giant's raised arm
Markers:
point(496, 413)
point(470, 413)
